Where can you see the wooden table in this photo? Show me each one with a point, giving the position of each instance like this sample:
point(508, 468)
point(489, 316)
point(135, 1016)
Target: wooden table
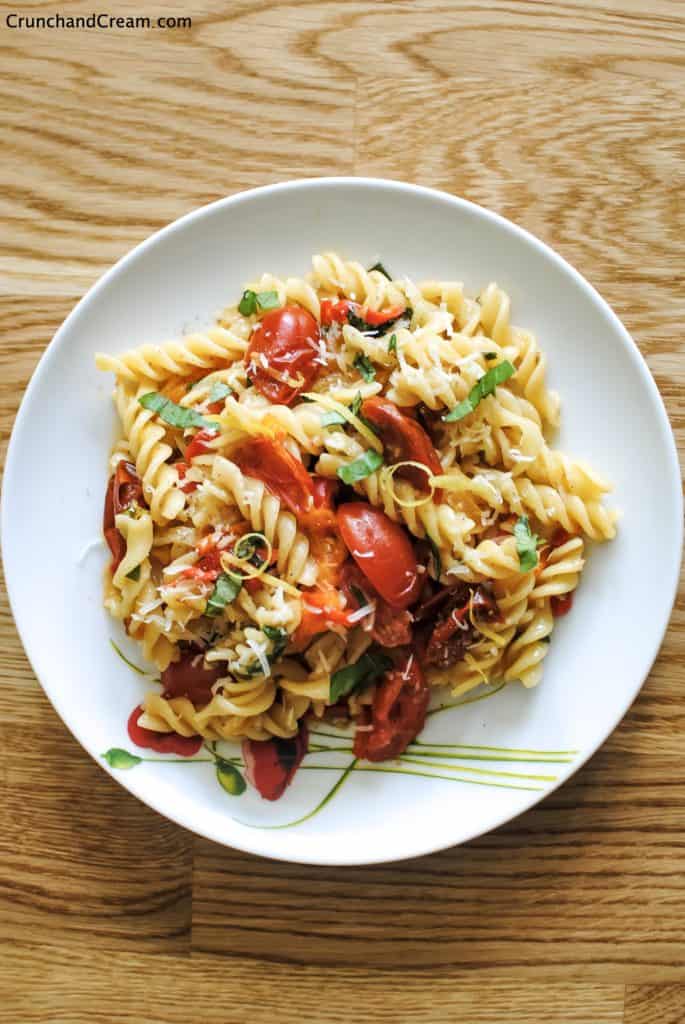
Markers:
point(565, 116)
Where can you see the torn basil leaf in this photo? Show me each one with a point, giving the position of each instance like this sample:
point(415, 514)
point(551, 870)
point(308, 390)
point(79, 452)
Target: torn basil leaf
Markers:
point(370, 667)
point(362, 467)
point(392, 344)
point(134, 574)
point(356, 404)
point(332, 418)
point(251, 302)
point(381, 269)
point(226, 589)
point(526, 544)
point(174, 415)
point(219, 392)
point(365, 367)
point(485, 386)
point(279, 640)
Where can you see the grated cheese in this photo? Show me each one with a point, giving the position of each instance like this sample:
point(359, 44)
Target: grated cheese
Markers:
point(330, 403)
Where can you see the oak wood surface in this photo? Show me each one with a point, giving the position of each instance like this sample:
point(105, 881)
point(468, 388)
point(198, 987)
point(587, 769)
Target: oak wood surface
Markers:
point(564, 116)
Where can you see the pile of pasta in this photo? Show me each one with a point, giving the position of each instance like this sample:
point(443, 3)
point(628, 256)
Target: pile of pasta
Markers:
point(505, 510)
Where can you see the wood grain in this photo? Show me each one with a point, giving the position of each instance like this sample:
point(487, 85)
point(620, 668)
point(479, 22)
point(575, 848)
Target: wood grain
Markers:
point(564, 116)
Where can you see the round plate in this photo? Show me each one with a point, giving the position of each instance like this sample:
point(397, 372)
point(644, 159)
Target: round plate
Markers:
point(612, 415)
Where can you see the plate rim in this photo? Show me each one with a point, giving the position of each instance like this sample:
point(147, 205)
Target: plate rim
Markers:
point(245, 843)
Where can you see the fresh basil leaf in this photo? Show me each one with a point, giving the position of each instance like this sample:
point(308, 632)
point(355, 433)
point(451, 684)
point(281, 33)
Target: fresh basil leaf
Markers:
point(118, 758)
point(332, 419)
point(381, 269)
point(370, 667)
point(134, 574)
point(226, 589)
point(365, 367)
point(392, 344)
point(526, 545)
point(253, 301)
point(362, 467)
point(437, 560)
point(489, 355)
point(174, 415)
point(375, 330)
point(248, 304)
point(485, 386)
point(356, 404)
point(268, 300)
point(279, 640)
point(229, 778)
point(219, 391)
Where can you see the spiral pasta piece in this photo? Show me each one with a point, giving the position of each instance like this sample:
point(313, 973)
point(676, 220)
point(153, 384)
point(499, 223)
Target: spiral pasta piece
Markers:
point(174, 358)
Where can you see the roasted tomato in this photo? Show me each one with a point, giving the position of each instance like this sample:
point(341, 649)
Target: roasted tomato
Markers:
point(378, 317)
point(391, 627)
point(561, 605)
point(161, 742)
point(404, 440)
point(321, 609)
point(444, 623)
point(283, 357)
point(199, 444)
point(383, 552)
point(271, 764)
point(397, 714)
point(189, 678)
point(283, 474)
point(124, 491)
point(335, 311)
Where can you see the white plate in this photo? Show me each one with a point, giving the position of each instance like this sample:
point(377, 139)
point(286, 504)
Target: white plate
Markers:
point(612, 415)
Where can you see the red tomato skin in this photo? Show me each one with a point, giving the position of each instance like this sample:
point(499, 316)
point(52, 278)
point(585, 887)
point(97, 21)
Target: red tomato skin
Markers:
point(191, 485)
point(561, 605)
point(336, 312)
point(161, 742)
point(284, 475)
point(199, 443)
point(124, 489)
point(405, 440)
point(270, 765)
point(397, 715)
point(288, 339)
point(378, 317)
point(383, 552)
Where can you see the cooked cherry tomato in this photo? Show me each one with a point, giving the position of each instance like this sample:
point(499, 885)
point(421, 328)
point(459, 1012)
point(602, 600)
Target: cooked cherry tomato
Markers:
point(283, 474)
point(207, 568)
point(561, 605)
point(271, 764)
point(283, 356)
point(321, 527)
point(123, 491)
point(199, 444)
point(404, 440)
point(189, 678)
point(397, 714)
point(336, 312)
point(382, 551)
point(378, 317)
point(560, 537)
point(161, 742)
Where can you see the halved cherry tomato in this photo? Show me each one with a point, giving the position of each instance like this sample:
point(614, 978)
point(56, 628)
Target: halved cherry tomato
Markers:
point(378, 317)
point(182, 469)
point(383, 552)
point(283, 356)
point(123, 491)
point(561, 604)
point(404, 440)
point(271, 764)
point(336, 312)
point(161, 742)
point(284, 475)
point(397, 714)
point(199, 444)
point(189, 678)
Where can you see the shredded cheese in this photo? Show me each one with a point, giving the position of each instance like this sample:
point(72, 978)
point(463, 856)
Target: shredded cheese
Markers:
point(260, 654)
